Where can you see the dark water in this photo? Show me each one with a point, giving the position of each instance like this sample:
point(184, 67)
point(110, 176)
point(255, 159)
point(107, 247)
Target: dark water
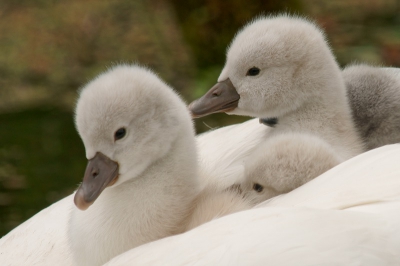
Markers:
point(42, 160)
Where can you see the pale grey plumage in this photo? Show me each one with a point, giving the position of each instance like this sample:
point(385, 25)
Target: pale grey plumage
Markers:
point(374, 96)
point(285, 162)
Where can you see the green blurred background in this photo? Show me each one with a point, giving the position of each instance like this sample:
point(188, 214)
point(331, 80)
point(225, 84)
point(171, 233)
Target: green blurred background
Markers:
point(49, 49)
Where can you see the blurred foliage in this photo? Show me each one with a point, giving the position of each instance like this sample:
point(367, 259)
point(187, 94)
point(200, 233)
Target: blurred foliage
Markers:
point(49, 48)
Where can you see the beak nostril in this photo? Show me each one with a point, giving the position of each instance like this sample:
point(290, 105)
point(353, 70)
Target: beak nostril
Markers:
point(94, 174)
point(216, 94)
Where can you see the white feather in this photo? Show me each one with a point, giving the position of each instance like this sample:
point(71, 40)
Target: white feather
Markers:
point(307, 226)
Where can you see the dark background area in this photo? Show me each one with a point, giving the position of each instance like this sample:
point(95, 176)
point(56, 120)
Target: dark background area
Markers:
point(49, 49)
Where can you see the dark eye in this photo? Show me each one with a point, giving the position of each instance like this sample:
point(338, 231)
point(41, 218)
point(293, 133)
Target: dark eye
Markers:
point(120, 133)
point(253, 71)
point(258, 187)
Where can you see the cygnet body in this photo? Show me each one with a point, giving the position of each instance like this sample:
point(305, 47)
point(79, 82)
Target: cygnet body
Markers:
point(374, 95)
point(141, 183)
point(284, 163)
point(140, 125)
point(281, 67)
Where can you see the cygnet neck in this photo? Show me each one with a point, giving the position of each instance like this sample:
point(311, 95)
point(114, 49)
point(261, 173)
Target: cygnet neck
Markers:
point(327, 114)
point(149, 207)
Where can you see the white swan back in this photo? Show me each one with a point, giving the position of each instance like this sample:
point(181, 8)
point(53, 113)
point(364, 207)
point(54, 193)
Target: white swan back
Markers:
point(307, 226)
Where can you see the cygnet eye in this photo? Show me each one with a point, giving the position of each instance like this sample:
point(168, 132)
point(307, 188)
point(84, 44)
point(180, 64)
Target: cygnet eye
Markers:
point(120, 133)
point(254, 71)
point(258, 187)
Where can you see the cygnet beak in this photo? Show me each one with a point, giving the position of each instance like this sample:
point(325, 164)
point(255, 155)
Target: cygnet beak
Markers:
point(100, 173)
point(222, 97)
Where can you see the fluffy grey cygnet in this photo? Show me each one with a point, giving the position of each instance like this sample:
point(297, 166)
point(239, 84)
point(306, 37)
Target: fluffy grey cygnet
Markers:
point(285, 162)
point(374, 96)
point(281, 67)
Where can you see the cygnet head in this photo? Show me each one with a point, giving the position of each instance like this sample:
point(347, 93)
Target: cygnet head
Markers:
point(128, 119)
point(273, 66)
point(284, 163)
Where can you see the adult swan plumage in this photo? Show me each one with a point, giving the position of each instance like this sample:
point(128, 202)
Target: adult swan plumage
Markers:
point(350, 215)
